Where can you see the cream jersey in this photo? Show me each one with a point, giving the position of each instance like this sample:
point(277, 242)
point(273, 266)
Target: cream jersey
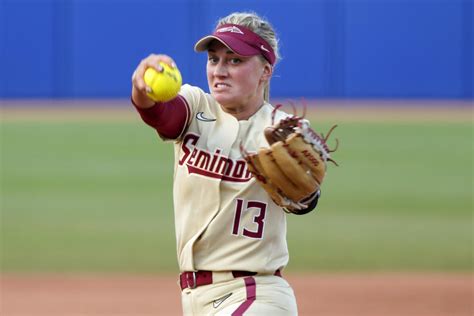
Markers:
point(224, 219)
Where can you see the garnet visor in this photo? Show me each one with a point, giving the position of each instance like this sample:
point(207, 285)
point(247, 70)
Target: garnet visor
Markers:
point(240, 40)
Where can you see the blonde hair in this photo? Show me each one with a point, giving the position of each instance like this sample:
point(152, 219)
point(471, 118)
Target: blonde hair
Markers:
point(260, 26)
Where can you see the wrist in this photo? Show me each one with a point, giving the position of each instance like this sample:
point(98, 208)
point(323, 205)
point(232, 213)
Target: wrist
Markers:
point(141, 100)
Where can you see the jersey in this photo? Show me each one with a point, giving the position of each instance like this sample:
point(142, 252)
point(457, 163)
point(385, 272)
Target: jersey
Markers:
point(224, 220)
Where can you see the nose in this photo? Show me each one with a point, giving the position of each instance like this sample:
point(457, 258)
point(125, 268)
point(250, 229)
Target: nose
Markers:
point(220, 70)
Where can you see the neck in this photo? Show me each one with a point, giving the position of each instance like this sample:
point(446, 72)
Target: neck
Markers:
point(244, 112)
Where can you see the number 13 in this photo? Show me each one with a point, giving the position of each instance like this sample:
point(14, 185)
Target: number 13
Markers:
point(258, 218)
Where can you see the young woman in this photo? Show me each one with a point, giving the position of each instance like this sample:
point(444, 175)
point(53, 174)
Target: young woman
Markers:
point(231, 236)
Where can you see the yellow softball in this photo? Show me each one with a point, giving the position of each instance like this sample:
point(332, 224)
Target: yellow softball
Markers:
point(164, 85)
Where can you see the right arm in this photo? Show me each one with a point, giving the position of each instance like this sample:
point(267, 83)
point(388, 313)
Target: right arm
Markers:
point(167, 118)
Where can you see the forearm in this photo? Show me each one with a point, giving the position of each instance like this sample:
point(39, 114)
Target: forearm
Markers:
point(140, 99)
point(169, 119)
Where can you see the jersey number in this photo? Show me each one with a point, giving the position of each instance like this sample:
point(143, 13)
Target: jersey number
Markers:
point(258, 219)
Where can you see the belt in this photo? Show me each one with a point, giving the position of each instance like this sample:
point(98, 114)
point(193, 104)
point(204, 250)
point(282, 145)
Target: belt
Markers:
point(193, 279)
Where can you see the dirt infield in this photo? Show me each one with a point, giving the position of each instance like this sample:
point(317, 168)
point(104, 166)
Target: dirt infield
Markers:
point(317, 294)
point(333, 111)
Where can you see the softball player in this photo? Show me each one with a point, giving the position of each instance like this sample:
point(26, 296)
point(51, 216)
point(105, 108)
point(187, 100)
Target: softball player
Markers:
point(231, 236)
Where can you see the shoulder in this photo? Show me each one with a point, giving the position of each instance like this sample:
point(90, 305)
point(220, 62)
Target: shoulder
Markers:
point(274, 112)
point(279, 115)
point(190, 92)
point(187, 88)
point(196, 97)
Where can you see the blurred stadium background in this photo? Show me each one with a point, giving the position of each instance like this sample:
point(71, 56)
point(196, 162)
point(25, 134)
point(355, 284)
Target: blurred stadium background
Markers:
point(86, 187)
point(332, 48)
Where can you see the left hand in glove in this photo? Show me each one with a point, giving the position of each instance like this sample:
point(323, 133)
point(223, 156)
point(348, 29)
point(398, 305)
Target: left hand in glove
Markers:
point(292, 169)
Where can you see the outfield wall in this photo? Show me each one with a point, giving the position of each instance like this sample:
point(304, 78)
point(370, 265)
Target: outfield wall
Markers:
point(331, 48)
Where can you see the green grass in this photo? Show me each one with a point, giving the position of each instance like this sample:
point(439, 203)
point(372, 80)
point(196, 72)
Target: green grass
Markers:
point(81, 196)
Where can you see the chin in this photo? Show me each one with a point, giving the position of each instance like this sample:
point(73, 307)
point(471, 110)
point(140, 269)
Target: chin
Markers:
point(224, 100)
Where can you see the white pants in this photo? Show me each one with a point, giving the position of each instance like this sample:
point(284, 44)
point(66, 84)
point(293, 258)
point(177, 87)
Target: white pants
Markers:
point(251, 295)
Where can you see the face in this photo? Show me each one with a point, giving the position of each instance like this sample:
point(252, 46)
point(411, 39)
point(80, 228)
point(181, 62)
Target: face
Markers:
point(236, 82)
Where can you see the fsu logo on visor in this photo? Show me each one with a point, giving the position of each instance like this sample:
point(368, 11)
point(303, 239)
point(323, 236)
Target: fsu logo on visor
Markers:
point(243, 41)
point(231, 29)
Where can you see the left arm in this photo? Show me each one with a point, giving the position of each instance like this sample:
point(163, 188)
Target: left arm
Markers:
point(312, 200)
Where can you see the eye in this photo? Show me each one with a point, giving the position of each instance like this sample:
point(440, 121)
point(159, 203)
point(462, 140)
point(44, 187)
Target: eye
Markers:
point(235, 61)
point(213, 60)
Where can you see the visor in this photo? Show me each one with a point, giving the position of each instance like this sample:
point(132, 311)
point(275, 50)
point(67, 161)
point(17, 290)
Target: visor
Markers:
point(240, 40)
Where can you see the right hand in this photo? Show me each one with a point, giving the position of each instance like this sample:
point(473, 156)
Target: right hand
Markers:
point(139, 87)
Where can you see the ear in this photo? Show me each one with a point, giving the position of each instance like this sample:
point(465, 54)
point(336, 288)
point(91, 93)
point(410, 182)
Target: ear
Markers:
point(267, 72)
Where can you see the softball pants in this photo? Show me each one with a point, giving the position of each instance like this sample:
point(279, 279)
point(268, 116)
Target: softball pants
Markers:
point(250, 295)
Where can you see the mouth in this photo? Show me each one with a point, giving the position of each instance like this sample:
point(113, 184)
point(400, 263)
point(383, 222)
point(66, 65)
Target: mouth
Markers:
point(221, 85)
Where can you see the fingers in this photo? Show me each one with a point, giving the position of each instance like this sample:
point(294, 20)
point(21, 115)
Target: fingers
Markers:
point(152, 61)
point(167, 60)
